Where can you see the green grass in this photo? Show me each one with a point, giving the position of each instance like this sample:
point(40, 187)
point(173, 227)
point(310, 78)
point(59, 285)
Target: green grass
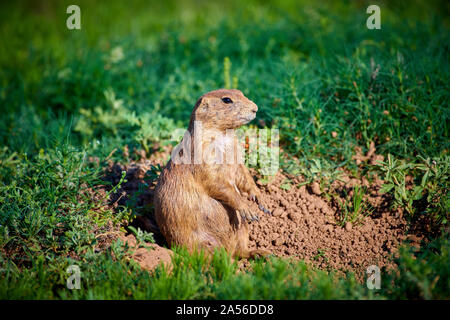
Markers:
point(354, 209)
point(132, 75)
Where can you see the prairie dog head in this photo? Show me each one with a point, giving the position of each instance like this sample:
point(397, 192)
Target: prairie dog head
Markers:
point(224, 109)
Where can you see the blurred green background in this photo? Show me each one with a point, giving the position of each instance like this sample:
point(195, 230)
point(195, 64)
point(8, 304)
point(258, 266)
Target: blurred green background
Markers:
point(310, 67)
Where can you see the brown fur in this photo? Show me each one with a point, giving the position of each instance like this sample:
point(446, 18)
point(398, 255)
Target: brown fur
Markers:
point(200, 205)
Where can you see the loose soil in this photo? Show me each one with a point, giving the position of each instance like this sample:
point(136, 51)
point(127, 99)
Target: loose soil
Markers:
point(306, 222)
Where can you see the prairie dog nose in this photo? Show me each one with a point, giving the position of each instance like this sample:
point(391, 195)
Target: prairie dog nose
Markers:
point(253, 107)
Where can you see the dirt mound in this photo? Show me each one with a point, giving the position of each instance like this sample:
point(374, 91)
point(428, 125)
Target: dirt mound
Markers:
point(150, 256)
point(305, 223)
point(136, 192)
point(306, 226)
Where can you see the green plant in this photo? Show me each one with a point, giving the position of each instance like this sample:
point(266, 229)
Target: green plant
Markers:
point(153, 128)
point(320, 170)
point(142, 236)
point(354, 209)
point(420, 188)
point(113, 119)
point(286, 185)
point(421, 275)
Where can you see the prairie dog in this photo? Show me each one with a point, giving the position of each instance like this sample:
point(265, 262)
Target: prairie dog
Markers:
point(199, 203)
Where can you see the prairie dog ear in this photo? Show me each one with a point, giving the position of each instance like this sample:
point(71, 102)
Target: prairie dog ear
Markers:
point(202, 104)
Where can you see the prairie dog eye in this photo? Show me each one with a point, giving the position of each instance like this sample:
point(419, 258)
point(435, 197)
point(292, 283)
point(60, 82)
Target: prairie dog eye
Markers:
point(227, 100)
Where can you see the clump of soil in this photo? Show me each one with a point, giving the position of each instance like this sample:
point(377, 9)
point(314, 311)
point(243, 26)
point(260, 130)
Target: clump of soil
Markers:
point(148, 256)
point(304, 225)
point(305, 221)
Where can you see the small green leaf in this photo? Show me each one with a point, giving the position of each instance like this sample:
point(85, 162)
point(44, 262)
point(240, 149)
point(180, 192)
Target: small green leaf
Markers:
point(386, 187)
